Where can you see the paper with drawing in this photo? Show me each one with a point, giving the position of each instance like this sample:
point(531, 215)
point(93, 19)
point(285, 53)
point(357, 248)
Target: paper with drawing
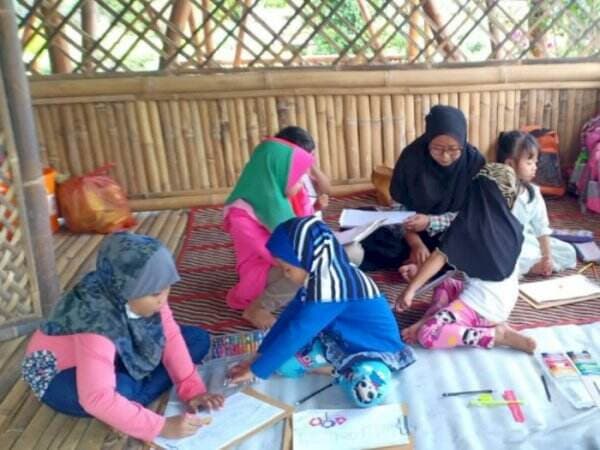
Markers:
point(241, 415)
point(563, 288)
point(358, 217)
point(350, 429)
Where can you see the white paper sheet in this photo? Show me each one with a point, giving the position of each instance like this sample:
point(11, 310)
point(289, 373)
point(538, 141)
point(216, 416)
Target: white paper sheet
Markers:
point(357, 217)
point(357, 234)
point(349, 429)
point(564, 288)
point(240, 414)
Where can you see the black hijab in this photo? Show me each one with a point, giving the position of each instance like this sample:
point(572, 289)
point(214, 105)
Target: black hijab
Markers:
point(420, 183)
point(484, 241)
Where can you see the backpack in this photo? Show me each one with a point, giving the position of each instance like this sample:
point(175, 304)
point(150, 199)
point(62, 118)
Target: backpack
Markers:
point(586, 174)
point(548, 176)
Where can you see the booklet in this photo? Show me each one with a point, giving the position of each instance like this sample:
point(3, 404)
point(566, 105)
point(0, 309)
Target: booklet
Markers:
point(357, 234)
point(359, 217)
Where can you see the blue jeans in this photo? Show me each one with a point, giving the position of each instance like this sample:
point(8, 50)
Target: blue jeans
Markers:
point(61, 394)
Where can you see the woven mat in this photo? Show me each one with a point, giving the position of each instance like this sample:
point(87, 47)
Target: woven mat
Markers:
point(207, 266)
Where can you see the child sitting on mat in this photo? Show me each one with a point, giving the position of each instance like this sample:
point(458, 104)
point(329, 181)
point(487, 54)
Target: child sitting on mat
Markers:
point(541, 254)
point(338, 317)
point(484, 242)
point(111, 346)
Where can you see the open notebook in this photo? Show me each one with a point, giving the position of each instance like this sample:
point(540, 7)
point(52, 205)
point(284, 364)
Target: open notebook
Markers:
point(559, 291)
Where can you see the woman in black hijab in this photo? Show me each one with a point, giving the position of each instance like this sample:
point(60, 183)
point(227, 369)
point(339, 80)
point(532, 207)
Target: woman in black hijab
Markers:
point(431, 177)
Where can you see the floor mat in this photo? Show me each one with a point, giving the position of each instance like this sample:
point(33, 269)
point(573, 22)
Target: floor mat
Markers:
point(207, 266)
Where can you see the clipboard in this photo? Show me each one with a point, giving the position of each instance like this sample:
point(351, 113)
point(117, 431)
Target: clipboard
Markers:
point(287, 443)
point(287, 411)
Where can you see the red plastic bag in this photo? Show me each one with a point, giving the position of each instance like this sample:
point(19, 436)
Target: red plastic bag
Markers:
point(94, 202)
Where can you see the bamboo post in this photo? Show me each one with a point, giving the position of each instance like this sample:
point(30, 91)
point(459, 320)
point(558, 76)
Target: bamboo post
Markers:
point(388, 130)
point(261, 109)
point(198, 148)
point(82, 138)
point(502, 113)
point(231, 160)
point(453, 99)
point(334, 148)
point(400, 118)
point(234, 128)
point(474, 116)
point(125, 150)
point(211, 160)
point(364, 129)
point(444, 98)
point(484, 128)
point(341, 148)
point(148, 146)
point(189, 144)
point(272, 120)
point(182, 170)
point(376, 130)
point(253, 126)
point(409, 105)
point(532, 104)
point(224, 173)
point(323, 139)
point(94, 129)
point(541, 112)
point(242, 132)
point(113, 153)
point(351, 134)
point(169, 143)
point(13, 82)
point(237, 60)
point(517, 110)
point(53, 156)
point(41, 137)
point(302, 121)
point(161, 153)
point(524, 97)
point(464, 104)
point(283, 113)
point(67, 119)
point(139, 158)
point(419, 116)
point(555, 108)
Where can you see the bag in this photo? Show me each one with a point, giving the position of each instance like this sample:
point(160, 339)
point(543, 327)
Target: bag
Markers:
point(586, 175)
point(94, 202)
point(548, 176)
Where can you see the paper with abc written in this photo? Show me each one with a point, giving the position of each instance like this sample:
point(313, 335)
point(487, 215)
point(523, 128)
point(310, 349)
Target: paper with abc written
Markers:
point(349, 429)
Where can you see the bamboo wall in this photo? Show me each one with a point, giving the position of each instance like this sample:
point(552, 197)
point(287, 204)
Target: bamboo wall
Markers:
point(180, 140)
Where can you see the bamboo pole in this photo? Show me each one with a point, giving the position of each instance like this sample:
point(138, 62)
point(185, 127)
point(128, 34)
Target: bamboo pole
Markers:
point(149, 151)
point(351, 135)
point(409, 105)
point(283, 115)
point(474, 117)
point(444, 98)
point(82, 138)
point(272, 120)
point(525, 98)
point(342, 149)
point(161, 152)
point(125, 150)
point(182, 169)
point(113, 153)
point(189, 144)
point(376, 130)
point(546, 108)
point(200, 153)
point(237, 59)
point(493, 124)
point(388, 131)
point(16, 115)
point(139, 156)
point(211, 160)
point(399, 111)
point(365, 140)
point(54, 159)
point(418, 114)
point(484, 127)
point(453, 98)
point(302, 120)
point(253, 126)
point(235, 137)
point(169, 144)
point(242, 132)
point(230, 159)
point(261, 109)
point(41, 137)
point(517, 110)
point(311, 117)
point(532, 104)
point(94, 132)
point(67, 120)
point(323, 135)
point(509, 114)
point(502, 113)
point(555, 109)
point(224, 173)
point(334, 148)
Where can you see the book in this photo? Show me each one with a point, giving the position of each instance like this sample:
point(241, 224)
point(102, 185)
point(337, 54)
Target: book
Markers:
point(244, 414)
point(564, 375)
point(357, 234)
point(559, 291)
point(357, 217)
point(587, 251)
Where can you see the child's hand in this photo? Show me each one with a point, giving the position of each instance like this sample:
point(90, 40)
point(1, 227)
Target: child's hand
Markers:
point(183, 425)
point(546, 265)
point(205, 401)
point(416, 223)
point(404, 300)
point(419, 254)
point(322, 201)
point(241, 372)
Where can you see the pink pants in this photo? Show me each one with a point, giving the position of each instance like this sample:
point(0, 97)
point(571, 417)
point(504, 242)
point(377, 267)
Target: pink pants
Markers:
point(253, 260)
point(451, 323)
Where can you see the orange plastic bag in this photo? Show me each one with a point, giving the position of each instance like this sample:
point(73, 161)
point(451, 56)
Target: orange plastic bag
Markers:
point(94, 202)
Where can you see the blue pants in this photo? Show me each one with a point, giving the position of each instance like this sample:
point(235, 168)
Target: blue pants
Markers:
point(61, 394)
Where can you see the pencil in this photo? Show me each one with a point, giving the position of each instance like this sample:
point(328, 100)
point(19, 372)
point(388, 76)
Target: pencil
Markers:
point(586, 267)
point(311, 395)
point(545, 383)
point(481, 391)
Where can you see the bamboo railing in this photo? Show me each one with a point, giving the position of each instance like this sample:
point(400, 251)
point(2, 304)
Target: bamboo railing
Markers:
point(181, 140)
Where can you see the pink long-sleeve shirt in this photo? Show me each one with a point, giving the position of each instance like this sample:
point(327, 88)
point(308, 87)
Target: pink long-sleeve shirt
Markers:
point(94, 357)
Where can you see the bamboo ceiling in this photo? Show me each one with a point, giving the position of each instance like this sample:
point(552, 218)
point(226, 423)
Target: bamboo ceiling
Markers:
point(93, 36)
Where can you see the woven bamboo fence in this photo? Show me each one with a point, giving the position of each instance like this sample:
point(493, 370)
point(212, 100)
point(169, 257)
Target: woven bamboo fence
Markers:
point(180, 140)
point(92, 36)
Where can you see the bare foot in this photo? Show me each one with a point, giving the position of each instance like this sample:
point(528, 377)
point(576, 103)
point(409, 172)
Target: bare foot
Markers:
point(258, 316)
point(409, 334)
point(512, 338)
point(408, 271)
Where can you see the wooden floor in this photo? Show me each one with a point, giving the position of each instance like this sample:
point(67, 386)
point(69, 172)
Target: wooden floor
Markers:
point(24, 422)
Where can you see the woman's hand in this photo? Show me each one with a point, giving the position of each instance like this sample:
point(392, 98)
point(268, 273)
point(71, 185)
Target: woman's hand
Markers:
point(416, 223)
point(183, 425)
point(205, 401)
point(404, 300)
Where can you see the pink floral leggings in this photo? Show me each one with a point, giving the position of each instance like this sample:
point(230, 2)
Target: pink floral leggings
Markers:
point(449, 322)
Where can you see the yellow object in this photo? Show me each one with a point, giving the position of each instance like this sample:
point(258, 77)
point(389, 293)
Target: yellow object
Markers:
point(50, 185)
